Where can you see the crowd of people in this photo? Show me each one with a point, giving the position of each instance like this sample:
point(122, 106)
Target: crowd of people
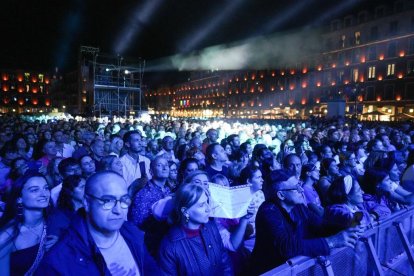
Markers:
point(132, 198)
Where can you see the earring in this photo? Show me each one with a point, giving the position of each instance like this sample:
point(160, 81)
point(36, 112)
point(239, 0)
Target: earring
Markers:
point(187, 217)
point(20, 209)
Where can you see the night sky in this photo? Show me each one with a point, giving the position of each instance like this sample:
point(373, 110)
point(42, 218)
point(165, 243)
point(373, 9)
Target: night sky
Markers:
point(44, 34)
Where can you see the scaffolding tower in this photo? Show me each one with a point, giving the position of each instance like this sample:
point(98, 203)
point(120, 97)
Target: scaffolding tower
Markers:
point(116, 84)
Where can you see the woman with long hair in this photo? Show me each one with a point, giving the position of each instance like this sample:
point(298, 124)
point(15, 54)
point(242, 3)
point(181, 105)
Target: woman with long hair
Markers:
point(72, 194)
point(193, 246)
point(310, 177)
point(329, 172)
point(22, 146)
point(23, 230)
point(69, 202)
point(187, 166)
point(53, 176)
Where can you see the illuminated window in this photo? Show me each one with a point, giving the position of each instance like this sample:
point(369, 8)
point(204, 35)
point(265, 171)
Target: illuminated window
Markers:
point(391, 69)
point(343, 41)
point(371, 72)
point(341, 75)
point(357, 38)
point(41, 77)
point(26, 76)
point(355, 74)
point(27, 88)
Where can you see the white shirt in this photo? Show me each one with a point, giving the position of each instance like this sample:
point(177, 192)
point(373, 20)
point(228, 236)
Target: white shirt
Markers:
point(119, 256)
point(131, 170)
point(66, 152)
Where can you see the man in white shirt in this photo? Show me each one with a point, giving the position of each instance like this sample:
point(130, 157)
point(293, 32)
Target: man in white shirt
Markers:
point(135, 166)
point(64, 150)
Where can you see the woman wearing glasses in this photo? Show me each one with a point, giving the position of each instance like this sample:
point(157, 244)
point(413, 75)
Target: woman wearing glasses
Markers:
point(193, 246)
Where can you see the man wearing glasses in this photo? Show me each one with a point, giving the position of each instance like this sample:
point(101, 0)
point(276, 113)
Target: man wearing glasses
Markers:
point(286, 228)
point(101, 242)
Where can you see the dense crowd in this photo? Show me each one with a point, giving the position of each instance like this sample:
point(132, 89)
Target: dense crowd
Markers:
point(132, 198)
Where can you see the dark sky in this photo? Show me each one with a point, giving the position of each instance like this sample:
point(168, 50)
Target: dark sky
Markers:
point(43, 34)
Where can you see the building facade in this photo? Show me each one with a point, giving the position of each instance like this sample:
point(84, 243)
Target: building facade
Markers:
point(26, 91)
point(365, 59)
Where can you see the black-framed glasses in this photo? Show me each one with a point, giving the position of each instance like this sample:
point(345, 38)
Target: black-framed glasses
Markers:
point(108, 203)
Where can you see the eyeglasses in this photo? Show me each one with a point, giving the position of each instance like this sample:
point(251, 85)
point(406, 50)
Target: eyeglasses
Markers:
point(110, 202)
point(297, 188)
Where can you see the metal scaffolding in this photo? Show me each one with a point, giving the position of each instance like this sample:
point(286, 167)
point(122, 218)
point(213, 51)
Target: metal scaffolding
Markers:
point(116, 85)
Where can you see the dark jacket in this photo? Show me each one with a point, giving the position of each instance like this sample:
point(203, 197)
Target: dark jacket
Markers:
point(281, 236)
point(77, 254)
point(180, 255)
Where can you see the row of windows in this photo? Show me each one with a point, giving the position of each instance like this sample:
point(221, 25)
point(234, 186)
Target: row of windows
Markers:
point(370, 93)
point(356, 37)
point(26, 77)
point(330, 78)
point(364, 16)
point(5, 87)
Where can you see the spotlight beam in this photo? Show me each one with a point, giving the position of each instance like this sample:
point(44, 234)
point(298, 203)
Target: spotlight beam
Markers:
point(139, 19)
point(214, 21)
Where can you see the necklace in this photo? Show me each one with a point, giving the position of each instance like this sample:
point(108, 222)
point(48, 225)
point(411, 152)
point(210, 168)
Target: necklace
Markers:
point(34, 229)
point(112, 244)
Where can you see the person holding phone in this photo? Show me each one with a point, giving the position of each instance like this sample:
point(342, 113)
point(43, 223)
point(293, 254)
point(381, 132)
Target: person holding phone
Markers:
point(347, 208)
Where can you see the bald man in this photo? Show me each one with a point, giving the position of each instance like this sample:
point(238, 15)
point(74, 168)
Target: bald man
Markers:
point(100, 241)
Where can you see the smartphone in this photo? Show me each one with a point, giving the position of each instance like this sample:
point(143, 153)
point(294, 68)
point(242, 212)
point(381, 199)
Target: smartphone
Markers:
point(356, 220)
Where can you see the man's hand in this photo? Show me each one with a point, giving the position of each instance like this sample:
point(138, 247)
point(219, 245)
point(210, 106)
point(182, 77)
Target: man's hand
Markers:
point(347, 237)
